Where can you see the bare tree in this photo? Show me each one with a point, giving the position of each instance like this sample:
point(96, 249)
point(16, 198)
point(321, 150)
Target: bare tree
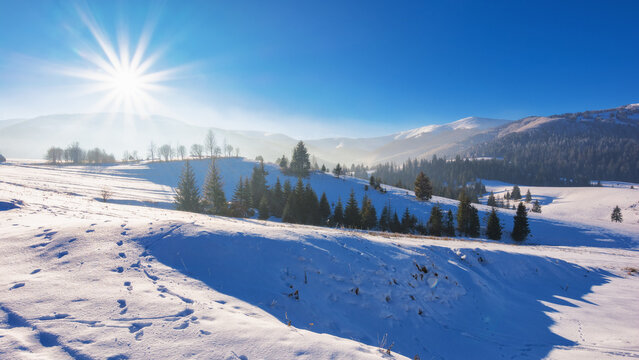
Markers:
point(126, 157)
point(237, 152)
point(54, 155)
point(74, 153)
point(153, 150)
point(165, 152)
point(105, 194)
point(181, 150)
point(196, 151)
point(217, 151)
point(209, 143)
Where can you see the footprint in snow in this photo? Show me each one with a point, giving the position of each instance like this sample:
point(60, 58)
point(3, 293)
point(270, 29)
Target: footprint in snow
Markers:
point(90, 230)
point(122, 303)
point(62, 253)
point(122, 255)
point(36, 271)
point(119, 269)
point(119, 243)
point(16, 286)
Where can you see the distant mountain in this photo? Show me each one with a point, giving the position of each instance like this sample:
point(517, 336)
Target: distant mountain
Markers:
point(117, 132)
point(599, 144)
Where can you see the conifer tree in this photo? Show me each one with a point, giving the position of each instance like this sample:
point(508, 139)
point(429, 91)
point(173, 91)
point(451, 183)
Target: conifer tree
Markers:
point(258, 183)
point(368, 214)
point(187, 194)
point(214, 197)
point(493, 227)
point(385, 219)
point(616, 214)
point(507, 196)
point(337, 171)
point(263, 208)
point(395, 225)
point(528, 196)
point(449, 227)
point(351, 212)
point(520, 226)
point(338, 214)
point(324, 209)
point(247, 197)
point(423, 187)
point(277, 199)
point(435, 221)
point(310, 206)
point(300, 163)
point(491, 200)
point(536, 208)
point(239, 206)
point(288, 189)
point(408, 222)
point(516, 193)
point(323, 168)
point(463, 214)
point(473, 226)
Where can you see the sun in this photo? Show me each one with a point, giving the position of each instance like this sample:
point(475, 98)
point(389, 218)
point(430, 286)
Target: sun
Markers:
point(124, 75)
point(127, 82)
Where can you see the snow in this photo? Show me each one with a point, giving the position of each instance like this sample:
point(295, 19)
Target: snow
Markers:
point(133, 279)
point(467, 123)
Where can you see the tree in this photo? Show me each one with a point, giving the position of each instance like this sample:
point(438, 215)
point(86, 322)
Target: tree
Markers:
point(395, 225)
point(214, 197)
point(337, 171)
point(449, 227)
point(310, 206)
point(74, 153)
point(351, 212)
point(536, 208)
point(423, 187)
point(209, 143)
point(153, 150)
point(493, 227)
point(283, 163)
point(263, 208)
point(435, 221)
point(409, 222)
point(385, 219)
point(181, 151)
point(165, 151)
point(323, 168)
point(300, 164)
point(240, 203)
point(474, 227)
point(2, 158)
point(463, 214)
point(528, 196)
point(516, 193)
point(616, 215)
point(54, 155)
point(520, 226)
point(324, 209)
point(278, 200)
point(338, 213)
point(187, 195)
point(368, 214)
point(491, 200)
point(258, 183)
point(196, 151)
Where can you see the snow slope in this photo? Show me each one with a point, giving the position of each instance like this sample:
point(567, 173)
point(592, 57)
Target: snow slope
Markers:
point(86, 280)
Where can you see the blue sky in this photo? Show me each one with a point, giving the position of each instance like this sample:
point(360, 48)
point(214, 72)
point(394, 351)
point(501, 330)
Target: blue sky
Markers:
point(327, 68)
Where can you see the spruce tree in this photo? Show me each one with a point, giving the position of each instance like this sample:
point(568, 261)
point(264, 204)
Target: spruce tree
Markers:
point(351, 212)
point(187, 194)
point(368, 214)
point(408, 222)
point(435, 221)
point(449, 227)
point(616, 215)
point(239, 207)
point(528, 196)
point(258, 183)
point(493, 227)
point(337, 171)
point(395, 225)
point(300, 163)
point(423, 187)
point(323, 168)
point(536, 208)
point(338, 214)
point(311, 206)
point(263, 209)
point(385, 219)
point(520, 226)
point(324, 209)
point(516, 193)
point(473, 226)
point(491, 200)
point(277, 199)
point(214, 197)
point(463, 214)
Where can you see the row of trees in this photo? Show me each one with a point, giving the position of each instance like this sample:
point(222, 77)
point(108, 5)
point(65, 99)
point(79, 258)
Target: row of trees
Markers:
point(76, 155)
point(210, 149)
point(301, 205)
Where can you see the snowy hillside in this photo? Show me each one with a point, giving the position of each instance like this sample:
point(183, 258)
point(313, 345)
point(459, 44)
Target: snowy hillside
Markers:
point(117, 280)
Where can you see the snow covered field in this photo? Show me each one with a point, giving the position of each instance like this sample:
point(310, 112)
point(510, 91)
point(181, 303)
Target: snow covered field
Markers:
point(133, 279)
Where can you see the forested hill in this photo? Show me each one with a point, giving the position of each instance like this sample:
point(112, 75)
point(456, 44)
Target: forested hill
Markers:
point(602, 144)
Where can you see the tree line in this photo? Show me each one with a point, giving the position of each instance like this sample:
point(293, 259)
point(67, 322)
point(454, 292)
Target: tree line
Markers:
point(300, 204)
point(74, 154)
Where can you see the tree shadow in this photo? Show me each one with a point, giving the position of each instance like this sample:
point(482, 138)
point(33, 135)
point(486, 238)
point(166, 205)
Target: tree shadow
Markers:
point(470, 303)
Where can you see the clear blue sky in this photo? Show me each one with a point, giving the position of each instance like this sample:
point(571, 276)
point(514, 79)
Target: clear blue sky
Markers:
point(325, 68)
